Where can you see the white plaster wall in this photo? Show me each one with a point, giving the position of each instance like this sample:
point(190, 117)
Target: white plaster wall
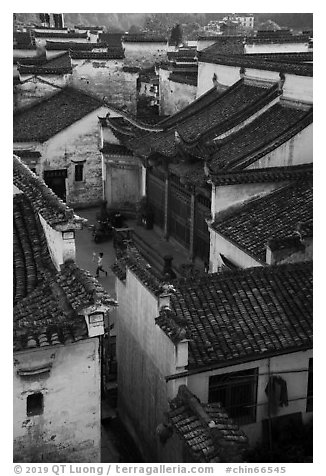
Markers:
point(80, 141)
point(202, 44)
point(299, 88)
point(296, 151)
point(144, 54)
point(175, 96)
point(226, 196)
point(163, 75)
point(277, 48)
point(219, 244)
point(69, 428)
point(226, 75)
point(24, 53)
point(55, 243)
point(297, 383)
point(106, 78)
point(33, 90)
point(145, 355)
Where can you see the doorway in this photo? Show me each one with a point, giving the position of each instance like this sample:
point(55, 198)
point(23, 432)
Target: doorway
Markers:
point(56, 180)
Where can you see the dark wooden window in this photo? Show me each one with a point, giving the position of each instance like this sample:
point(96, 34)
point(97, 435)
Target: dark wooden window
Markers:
point(310, 387)
point(237, 392)
point(79, 168)
point(35, 404)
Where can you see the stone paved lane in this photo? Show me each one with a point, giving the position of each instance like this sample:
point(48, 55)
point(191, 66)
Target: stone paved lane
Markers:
point(85, 247)
point(116, 444)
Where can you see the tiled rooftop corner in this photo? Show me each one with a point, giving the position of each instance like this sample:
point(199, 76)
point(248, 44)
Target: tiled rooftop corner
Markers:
point(208, 432)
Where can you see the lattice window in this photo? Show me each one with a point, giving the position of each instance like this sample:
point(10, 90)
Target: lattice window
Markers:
point(237, 392)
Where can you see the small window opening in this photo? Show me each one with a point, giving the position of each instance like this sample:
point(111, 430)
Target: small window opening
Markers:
point(35, 404)
point(79, 172)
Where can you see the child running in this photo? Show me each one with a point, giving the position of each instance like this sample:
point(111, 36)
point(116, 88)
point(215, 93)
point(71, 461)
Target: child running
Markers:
point(100, 266)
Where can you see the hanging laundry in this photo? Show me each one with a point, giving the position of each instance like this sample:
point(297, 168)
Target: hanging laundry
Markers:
point(277, 393)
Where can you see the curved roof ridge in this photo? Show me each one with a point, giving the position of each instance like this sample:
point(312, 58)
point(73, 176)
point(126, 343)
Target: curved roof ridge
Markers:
point(133, 120)
point(206, 95)
point(237, 118)
point(269, 144)
point(285, 135)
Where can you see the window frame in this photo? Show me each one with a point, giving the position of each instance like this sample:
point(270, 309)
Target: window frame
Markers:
point(32, 408)
point(79, 172)
point(225, 389)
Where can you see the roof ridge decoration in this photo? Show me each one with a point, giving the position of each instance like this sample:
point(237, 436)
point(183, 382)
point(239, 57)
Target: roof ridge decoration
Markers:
point(132, 120)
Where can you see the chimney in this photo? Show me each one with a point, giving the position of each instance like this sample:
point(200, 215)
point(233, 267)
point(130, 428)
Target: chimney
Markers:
point(181, 360)
point(94, 317)
point(285, 249)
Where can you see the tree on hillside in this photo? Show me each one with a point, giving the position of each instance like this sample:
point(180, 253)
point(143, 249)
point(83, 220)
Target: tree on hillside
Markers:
point(176, 35)
point(134, 29)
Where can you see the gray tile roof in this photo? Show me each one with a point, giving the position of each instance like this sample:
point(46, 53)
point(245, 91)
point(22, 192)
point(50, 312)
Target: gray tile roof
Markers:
point(43, 120)
point(276, 214)
point(242, 315)
point(206, 429)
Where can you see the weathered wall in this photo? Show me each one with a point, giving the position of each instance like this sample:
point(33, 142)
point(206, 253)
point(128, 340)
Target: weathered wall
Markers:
point(106, 78)
point(70, 426)
point(144, 54)
point(78, 142)
point(122, 180)
point(174, 96)
point(145, 355)
point(33, 90)
point(296, 151)
point(299, 88)
point(297, 382)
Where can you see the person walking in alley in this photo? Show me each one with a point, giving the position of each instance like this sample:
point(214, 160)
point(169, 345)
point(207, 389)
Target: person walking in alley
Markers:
point(100, 266)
